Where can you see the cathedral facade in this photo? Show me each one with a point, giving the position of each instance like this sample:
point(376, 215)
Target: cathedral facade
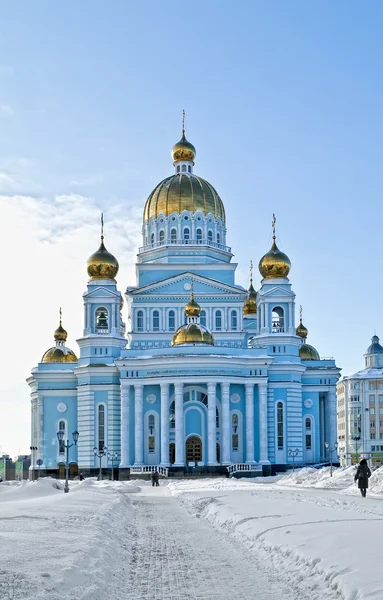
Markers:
point(208, 375)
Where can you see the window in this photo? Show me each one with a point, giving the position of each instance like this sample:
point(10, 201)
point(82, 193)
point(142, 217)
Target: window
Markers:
point(101, 319)
point(151, 424)
point(203, 320)
point(217, 418)
point(101, 427)
point(372, 436)
point(280, 426)
point(162, 236)
point(189, 168)
point(172, 416)
point(210, 235)
point(381, 410)
point(186, 234)
point(152, 238)
point(61, 444)
point(172, 320)
point(372, 424)
point(199, 236)
point(371, 398)
point(234, 320)
point(372, 411)
point(156, 320)
point(371, 385)
point(308, 423)
point(218, 320)
point(308, 442)
point(277, 318)
point(183, 168)
point(178, 169)
point(151, 444)
point(218, 238)
point(234, 442)
point(234, 434)
point(140, 320)
point(173, 236)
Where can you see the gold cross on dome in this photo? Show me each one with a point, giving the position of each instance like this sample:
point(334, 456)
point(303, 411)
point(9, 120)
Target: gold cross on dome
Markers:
point(273, 224)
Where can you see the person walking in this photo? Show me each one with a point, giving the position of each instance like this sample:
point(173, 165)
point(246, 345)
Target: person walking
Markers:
point(362, 475)
point(157, 478)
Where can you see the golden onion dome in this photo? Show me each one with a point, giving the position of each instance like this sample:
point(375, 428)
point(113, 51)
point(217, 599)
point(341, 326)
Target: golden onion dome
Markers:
point(102, 264)
point(60, 334)
point(250, 302)
point(307, 352)
point(192, 333)
point(274, 263)
point(301, 330)
point(192, 309)
point(183, 150)
point(184, 192)
point(59, 354)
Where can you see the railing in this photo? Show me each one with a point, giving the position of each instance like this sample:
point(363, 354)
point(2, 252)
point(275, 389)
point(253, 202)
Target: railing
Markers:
point(184, 242)
point(149, 469)
point(242, 467)
point(102, 331)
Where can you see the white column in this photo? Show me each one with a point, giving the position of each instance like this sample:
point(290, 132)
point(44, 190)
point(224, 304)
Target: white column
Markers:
point(266, 310)
point(138, 424)
point(165, 425)
point(249, 422)
point(262, 399)
point(332, 417)
point(211, 423)
point(40, 412)
point(125, 458)
point(180, 435)
point(88, 318)
point(225, 423)
point(291, 320)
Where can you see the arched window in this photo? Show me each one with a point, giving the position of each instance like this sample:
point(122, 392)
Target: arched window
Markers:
point(140, 320)
point(151, 436)
point(101, 319)
point(172, 416)
point(162, 236)
point(189, 168)
point(308, 423)
point(61, 444)
point(278, 322)
point(172, 320)
point(173, 236)
point(178, 169)
point(210, 235)
point(199, 236)
point(152, 238)
point(234, 433)
point(101, 427)
point(183, 168)
point(203, 318)
point(280, 440)
point(216, 418)
point(218, 238)
point(156, 320)
point(234, 319)
point(186, 234)
point(218, 320)
point(151, 424)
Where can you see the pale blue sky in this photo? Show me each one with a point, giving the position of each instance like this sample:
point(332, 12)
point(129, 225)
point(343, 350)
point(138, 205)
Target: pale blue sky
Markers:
point(284, 105)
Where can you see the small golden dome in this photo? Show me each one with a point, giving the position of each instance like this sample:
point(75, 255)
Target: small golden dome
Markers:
point(307, 352)
point(59, 354)
point(102, 264)
point(192, 333)
point(301, 330)
point(192, 309)
point(183, 150)
point(60, 334)
point(250, 302)
point(275, 263)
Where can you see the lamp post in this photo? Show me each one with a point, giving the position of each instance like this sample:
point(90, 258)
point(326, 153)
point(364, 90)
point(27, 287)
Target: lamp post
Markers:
point(33, 449)
point(293, 453)
point(112, 458)
point(67, 445)
point(100, 454)
point(331, 450)
point(356, 440)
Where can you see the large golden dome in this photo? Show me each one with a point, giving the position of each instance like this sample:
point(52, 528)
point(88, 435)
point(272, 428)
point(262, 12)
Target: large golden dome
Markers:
point(181, 192)
point(183, 150)
point(307, 352)
point(274, 263)
point(102, 264)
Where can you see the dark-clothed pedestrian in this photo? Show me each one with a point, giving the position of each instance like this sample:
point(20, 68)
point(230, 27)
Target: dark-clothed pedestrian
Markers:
point(362, 476)
point(155, 478)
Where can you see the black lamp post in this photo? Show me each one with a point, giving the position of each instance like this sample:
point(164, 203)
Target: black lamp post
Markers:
point(67, 445)
point(33, 449)
point(100, 454)
point(356, 440)
point(331, 450)
point(293, 453)
point(112, 458)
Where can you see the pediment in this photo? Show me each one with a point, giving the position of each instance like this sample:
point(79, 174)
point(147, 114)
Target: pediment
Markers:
point(278, 291)
point(182, 284)
point(101, 292)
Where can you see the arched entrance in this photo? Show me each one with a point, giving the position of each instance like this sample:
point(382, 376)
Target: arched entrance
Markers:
point(193, 449)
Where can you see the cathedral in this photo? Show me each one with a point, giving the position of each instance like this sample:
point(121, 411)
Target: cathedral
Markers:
point(208, 377)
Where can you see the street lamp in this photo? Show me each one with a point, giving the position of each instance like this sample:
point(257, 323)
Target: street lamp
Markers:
point(100, 454)
point(33, 449)
point(67, 445)
point(331, 450)
point(356, 440)
point(112, 458)
point(293, 453)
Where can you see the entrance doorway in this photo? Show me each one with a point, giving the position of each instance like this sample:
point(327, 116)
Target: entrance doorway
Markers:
point(193, 449)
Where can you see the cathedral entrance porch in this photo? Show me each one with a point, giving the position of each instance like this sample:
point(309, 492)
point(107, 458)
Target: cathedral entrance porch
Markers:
point(193, 450)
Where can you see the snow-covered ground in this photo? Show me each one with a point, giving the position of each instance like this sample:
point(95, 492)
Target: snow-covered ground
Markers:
point(300, 536)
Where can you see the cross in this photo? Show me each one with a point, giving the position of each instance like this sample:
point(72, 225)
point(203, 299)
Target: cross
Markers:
point(251, 270)
point(102, 226)
point(60, 315)
point(273, 224)
point(300, 312)
point(183, 121)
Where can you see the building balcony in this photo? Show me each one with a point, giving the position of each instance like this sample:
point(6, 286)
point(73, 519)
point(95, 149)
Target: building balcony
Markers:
point(183, 242)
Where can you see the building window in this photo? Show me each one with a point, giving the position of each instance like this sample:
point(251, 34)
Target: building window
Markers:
point(151, 437)
point(183, 168)
point(371, 385)
point(186, 234)
point(172, 320)
point(280, 426)
point(217, 418)
point(156, 320)
point(210, 235)
point(234, 320)
point(234, 434)
point(101, 427)
point(277, 317)
point(152, 238)
point(101, 319)
point(218, 320)
point(372, 436)
point(308, 423)
point(199, 235)
point(218, 238)
point(189, 168)
point(308, 442)
point(140, 320)
point(203, 318)
point(162, 236)
point(61, 444)
point(172, 416)
point(372, 424)
point(372, 411)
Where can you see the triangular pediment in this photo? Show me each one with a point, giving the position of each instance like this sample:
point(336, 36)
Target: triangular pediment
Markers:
point(278, 291)
point(101, 292)
point(182, 284)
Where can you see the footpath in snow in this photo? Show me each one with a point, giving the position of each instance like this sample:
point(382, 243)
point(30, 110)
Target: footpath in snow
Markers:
point(301, 536)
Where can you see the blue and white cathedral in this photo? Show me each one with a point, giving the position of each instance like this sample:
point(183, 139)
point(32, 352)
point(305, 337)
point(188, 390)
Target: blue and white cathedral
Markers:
point(208, 375)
